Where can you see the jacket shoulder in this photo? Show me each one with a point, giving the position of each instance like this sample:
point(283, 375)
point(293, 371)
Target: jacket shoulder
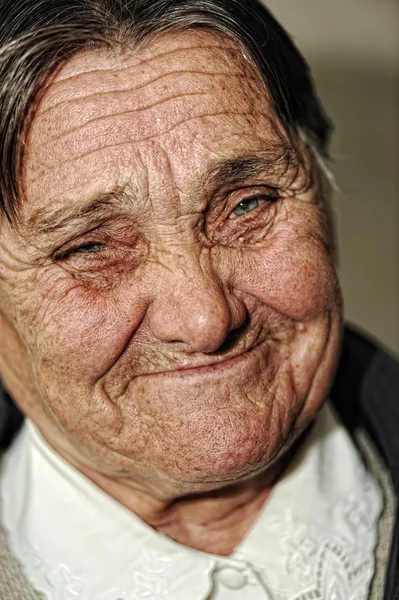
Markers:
point(366, 393)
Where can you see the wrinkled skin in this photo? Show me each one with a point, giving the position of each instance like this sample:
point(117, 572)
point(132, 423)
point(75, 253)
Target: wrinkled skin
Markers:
point(134, 267)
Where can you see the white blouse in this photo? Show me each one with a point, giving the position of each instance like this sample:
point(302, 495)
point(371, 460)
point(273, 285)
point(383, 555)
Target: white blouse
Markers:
point(314, 538)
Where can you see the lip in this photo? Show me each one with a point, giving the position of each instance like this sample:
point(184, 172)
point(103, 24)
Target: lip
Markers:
point(210, 368)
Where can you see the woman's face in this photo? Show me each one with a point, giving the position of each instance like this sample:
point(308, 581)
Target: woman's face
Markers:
point(168, 300)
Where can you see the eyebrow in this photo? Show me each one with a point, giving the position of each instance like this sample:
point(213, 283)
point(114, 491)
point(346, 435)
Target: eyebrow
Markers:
point(239, 170)
point(98, 208)
point(223, 172)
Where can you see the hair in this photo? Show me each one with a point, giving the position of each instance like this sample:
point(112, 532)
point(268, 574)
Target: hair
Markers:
point(36, 36)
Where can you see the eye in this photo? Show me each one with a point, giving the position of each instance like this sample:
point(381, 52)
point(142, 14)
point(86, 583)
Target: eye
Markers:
point(88, 248)
point(247, 206)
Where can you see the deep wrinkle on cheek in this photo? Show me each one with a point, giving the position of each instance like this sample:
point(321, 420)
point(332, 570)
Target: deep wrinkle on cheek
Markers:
point(74, 308)
point(81, 323)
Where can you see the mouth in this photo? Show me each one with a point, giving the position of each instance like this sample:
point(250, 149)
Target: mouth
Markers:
point(212, 365)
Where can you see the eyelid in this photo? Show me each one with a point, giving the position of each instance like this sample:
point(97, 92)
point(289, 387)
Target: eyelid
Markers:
point(66, 252)
point(248, 192)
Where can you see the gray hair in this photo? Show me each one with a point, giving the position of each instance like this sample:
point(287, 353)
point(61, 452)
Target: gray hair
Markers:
point(36, 36)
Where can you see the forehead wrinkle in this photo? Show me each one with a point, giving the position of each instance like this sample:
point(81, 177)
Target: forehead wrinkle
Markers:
point(202, 92)
point(156, 62)
point(128, 112)
point(217, 51)
point(128, 88)
point(227, 44)
point(88, 73)
point(145, 138)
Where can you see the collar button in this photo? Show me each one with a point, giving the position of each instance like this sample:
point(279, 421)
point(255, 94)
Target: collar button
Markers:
point(232, 578)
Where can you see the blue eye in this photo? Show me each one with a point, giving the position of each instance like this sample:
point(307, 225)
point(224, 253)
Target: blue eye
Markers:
point(88, 248)
point(245, 207)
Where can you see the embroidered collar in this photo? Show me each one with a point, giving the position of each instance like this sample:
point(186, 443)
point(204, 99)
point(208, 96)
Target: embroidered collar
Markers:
point(314, 538)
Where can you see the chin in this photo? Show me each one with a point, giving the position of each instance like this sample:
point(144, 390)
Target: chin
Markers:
point(222, 451)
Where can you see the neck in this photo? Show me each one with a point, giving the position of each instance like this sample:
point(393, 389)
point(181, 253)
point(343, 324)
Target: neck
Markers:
point(214, 521)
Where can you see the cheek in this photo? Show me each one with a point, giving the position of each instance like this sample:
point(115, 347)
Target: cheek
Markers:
point(76, 332)
point(296, 280)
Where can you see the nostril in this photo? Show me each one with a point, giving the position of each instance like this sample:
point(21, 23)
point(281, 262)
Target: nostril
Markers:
point(232, 338)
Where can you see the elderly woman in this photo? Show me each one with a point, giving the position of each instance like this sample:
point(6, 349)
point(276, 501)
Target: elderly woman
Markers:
point(170, 317)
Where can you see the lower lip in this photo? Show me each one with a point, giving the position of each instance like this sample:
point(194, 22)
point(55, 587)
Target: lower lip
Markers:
point(216, 369)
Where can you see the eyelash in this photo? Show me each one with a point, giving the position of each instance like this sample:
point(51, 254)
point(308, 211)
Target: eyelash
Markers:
point(65, 254)
point(80, 249)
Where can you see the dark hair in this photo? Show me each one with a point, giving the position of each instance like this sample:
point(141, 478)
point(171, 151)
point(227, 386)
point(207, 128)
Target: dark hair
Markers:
point(37, 35)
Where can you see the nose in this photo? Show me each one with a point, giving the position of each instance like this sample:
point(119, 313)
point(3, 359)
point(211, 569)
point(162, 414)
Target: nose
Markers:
point(194, 308)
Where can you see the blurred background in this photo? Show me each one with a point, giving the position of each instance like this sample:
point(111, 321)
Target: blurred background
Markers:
point(353, 49)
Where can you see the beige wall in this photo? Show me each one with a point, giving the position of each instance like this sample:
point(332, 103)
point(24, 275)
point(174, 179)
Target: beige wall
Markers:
point(353, 48)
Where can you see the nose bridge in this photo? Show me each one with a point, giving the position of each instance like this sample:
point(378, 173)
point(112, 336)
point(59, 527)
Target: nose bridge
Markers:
point(199, 287)
point(191, 305)
point(194, 269)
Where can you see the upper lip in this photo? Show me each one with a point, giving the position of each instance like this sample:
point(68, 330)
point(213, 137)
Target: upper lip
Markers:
point(203, 361)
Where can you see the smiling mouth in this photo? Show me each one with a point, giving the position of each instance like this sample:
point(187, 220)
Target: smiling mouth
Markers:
point(217, 365)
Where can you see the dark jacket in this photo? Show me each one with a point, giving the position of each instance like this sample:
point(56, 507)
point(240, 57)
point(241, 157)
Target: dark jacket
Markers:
point(365, 393)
